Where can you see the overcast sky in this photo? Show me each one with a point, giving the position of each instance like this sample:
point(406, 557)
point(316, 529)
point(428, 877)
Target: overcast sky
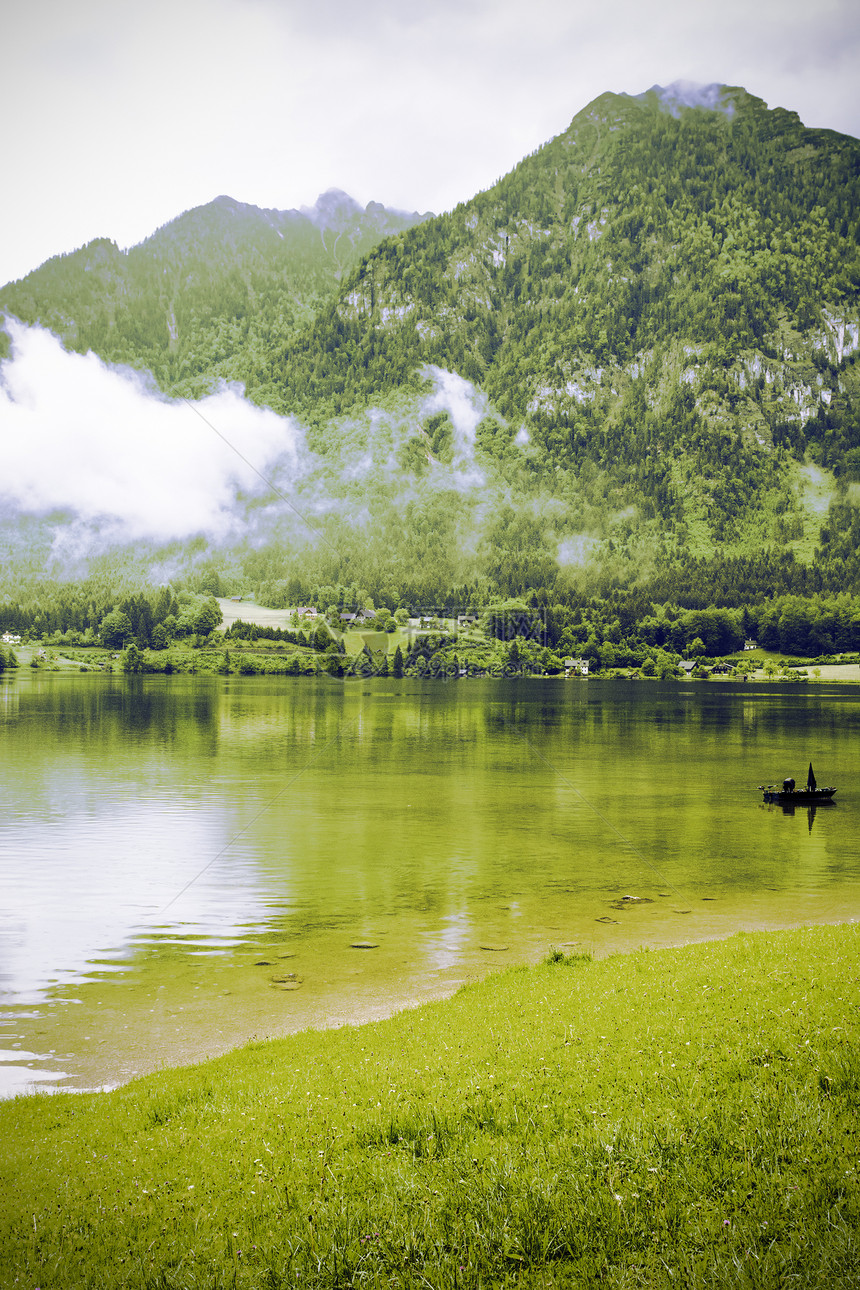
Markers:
point(120, 114)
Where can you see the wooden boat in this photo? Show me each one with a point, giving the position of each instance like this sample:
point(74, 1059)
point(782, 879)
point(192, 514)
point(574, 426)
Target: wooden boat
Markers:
point(790, 795)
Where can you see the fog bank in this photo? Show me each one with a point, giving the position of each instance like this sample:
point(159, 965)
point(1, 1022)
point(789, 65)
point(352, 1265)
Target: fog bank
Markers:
point(102, 442)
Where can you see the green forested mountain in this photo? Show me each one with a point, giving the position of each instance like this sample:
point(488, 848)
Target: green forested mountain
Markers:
point(631, 362)
point(666, 294)
point(639, 231)
point(208, 295)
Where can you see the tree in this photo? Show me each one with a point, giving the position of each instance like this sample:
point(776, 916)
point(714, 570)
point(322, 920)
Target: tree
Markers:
point(514, 662)
point(397, 663)
point(667, 668)
point(132, 659)
point(207, 617)
point(436, 664)
point(115, 629)
point(139, 613)
point(322, 638)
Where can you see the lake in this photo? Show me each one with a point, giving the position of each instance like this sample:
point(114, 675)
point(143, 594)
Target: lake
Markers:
point(189, 862)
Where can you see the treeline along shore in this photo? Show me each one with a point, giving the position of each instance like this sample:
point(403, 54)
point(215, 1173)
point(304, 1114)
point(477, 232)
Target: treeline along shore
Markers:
point(675, 1117)
point(340, 630)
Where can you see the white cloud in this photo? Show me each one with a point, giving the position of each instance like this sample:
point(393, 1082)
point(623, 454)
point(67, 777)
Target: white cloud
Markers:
point(78, 435)
point(115, 461)
point(575, 551)
point(465, 406)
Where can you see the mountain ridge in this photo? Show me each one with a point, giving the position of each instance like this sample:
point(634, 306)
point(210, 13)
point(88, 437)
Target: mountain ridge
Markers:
point(492, 238)
point(653, 318)
point(203, 288)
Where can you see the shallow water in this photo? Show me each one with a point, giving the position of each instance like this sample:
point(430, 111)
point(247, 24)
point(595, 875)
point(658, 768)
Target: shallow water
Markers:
point(170, 847)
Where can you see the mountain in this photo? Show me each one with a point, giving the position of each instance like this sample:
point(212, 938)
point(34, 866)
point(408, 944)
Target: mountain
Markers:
point(207, 294)
point(630, 361)
point(665, 295)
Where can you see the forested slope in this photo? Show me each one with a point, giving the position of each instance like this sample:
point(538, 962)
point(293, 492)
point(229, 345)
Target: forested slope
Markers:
point(629, 362)
point(208, 295)
point(665, 292)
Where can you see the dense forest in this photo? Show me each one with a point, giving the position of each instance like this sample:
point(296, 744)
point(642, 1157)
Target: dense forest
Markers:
point(634, 229)
point(613, 626)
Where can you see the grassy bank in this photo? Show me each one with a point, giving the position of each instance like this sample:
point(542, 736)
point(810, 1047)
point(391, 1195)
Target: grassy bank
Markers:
point(681, 1117)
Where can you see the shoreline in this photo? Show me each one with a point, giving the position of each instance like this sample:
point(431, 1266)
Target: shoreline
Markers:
point(589, 1123)
point(847, 676)
point(810, 674)
point(323, 1018)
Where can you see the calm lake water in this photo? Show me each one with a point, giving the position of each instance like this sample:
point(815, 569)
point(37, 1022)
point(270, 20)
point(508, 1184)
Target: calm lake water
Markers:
point(186, 863)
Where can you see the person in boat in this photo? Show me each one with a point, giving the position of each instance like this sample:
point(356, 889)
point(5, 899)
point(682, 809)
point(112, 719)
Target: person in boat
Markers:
point(788, 785)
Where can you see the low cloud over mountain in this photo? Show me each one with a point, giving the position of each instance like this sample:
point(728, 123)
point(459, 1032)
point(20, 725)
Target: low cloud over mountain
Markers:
point(105, 444)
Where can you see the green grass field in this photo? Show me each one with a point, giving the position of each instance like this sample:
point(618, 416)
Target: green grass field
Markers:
point(683, 1117)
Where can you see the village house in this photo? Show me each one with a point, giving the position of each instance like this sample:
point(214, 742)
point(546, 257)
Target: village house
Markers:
point(576, 667)
point(362, 616)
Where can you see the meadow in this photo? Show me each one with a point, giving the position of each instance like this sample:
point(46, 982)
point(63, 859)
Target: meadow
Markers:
point(673, 1117)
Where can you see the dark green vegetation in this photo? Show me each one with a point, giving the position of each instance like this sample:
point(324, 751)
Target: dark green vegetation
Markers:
point(178, 628)
point(675, 1117)
point(8, 660)
point(631, 362)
